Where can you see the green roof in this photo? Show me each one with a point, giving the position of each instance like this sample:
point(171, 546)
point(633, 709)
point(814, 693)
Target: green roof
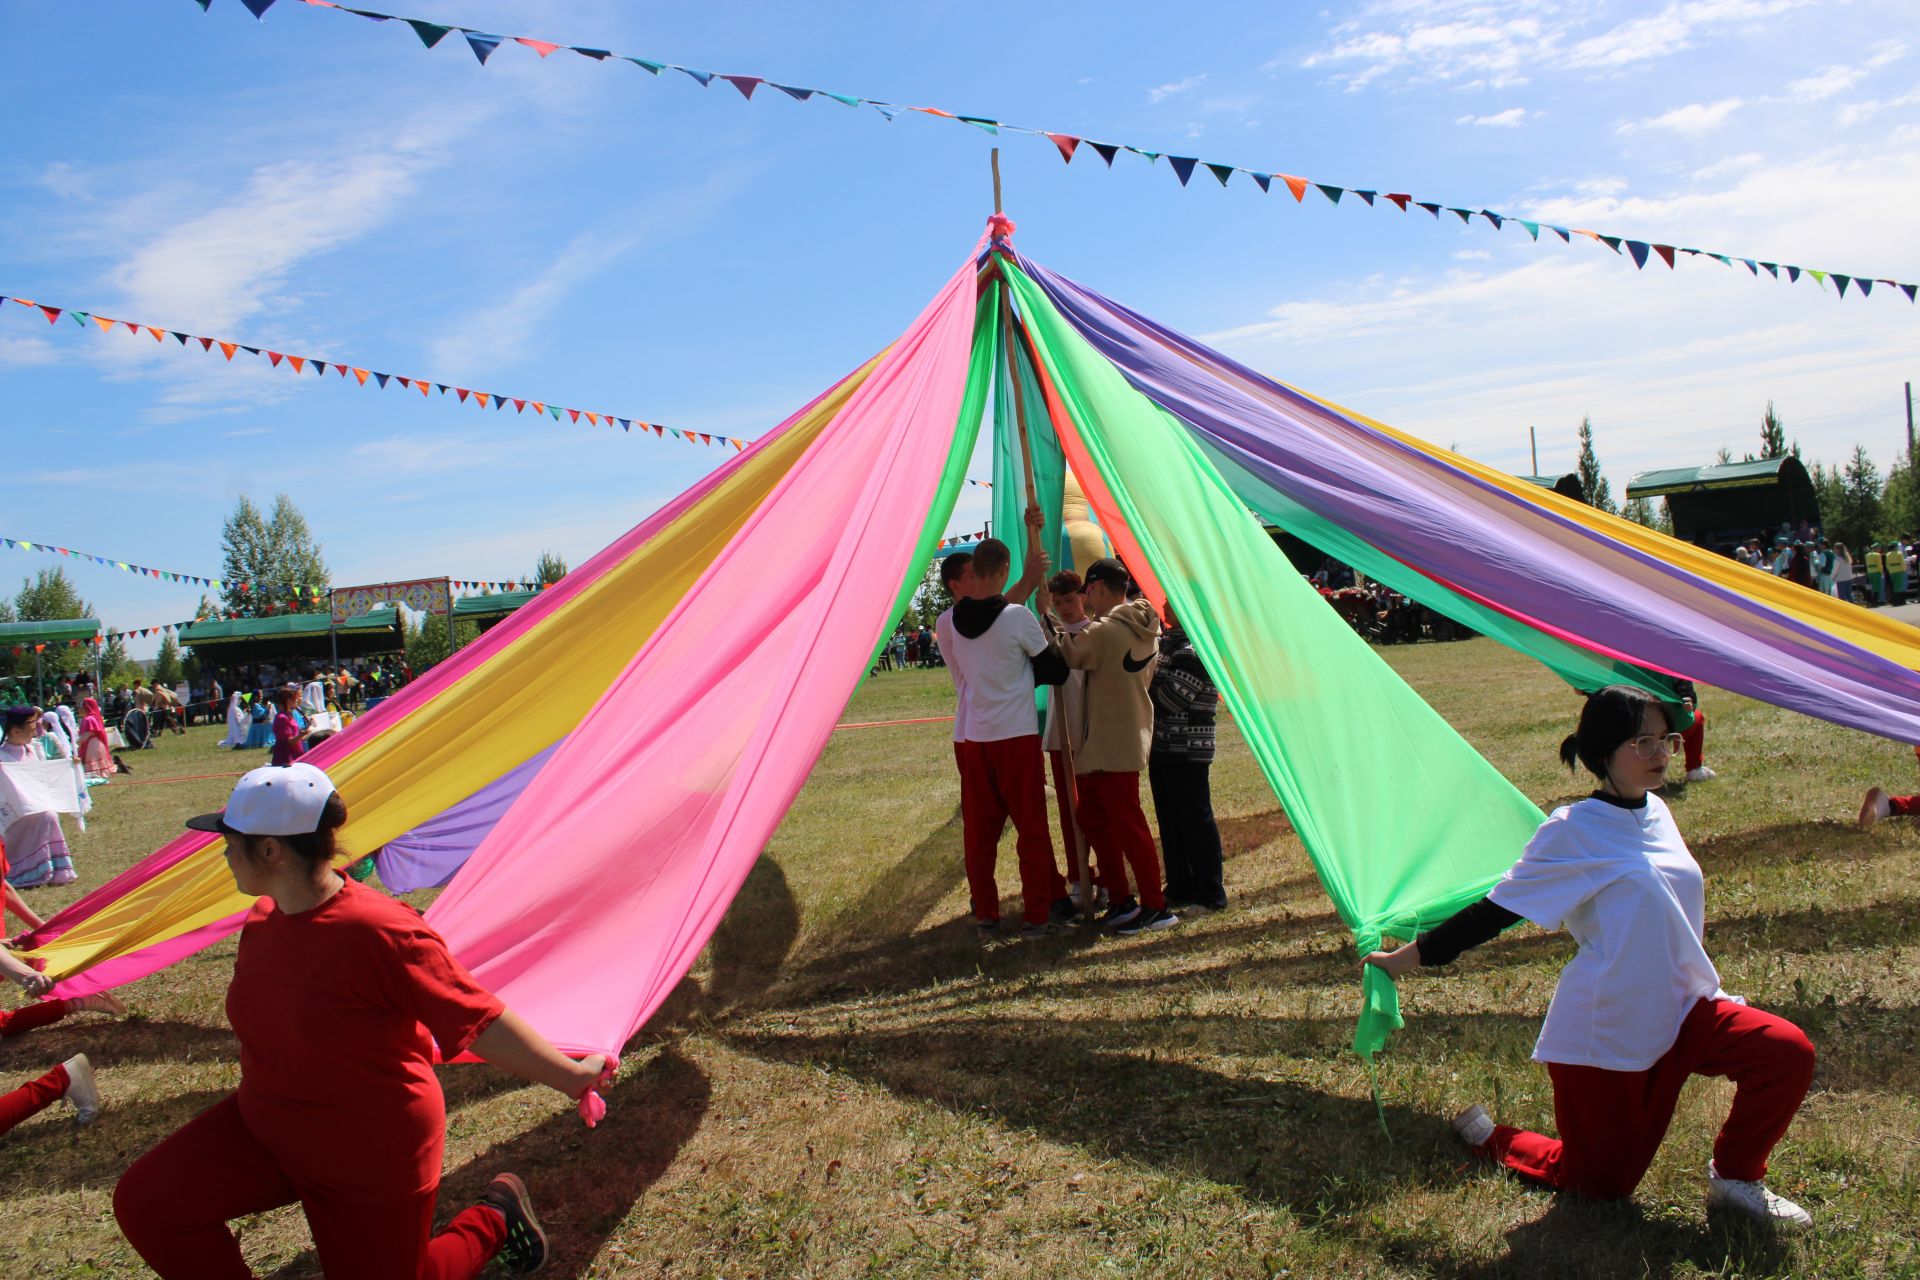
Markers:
point(1724, 475)
point(285, 626)
point(56, 631)
point(494, 606)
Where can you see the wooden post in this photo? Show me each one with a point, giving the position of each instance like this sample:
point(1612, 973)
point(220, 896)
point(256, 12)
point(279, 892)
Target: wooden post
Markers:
point(1068, 803)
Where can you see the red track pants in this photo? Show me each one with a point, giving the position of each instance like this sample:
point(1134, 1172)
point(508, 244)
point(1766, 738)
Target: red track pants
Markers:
point(175, 1202)
point(17, 1022)
point(32, 1097)
point(1062, 782)
point(998, 781)
point(1695, 739)
point(1117, 831)
point(1903, 806)
point(1611, 1122)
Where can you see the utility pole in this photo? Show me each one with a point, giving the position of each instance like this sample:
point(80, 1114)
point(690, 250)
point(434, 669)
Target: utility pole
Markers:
point(1910, 456)
point(1533, 441)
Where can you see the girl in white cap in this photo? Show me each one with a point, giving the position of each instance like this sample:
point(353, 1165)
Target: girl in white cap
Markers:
point(339, 997)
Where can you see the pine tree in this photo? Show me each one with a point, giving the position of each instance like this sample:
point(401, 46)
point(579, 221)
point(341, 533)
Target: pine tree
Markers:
point(1723, 457)
point(1773, 436)
point(549, 571)
point(1859, 511)
point(270, 564)
point(1594, 488)
point(50, 596)
point(166, 667)
point(1640, 511)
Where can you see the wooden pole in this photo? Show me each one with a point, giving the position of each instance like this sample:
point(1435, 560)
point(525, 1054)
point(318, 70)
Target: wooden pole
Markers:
point(1068, 802)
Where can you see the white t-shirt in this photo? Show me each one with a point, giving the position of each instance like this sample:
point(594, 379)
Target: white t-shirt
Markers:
point(943, 635)
point(1622, 882)
point(998, 673)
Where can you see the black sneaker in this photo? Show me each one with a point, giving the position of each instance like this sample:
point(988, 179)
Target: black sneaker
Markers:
point(1161, 919)
point(1121, 912)
point(986, 930)
point(525, 1250)
point(1063, 911)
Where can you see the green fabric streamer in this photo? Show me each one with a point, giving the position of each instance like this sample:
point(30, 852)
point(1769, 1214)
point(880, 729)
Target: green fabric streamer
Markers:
point(973, 408)
point(1010, 476)
point(1405, 823)
point(1579, 667)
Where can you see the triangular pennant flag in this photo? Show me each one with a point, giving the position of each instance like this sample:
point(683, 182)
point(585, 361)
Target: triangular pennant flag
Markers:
point(252, 351)
point(1400, 198)
point(537, 406)
point(258, 8)
point(745, 84)
point(362, 375)
point(845, 99)
point(1533, 228)
point(554, 410)
point(651, 68)
point(1263, 180)
point(598, 55)
point(739, 445)
point(519, 406)
point(1721, 258)
point(1067, 143)
point(1910, 290)
point(79, 317)
point(340, 369)
point(887, 109)
point(299, 363)
point(592, 417)
point(480, 398)
point(1666, 254)
point(1296, 185)
point(1492, 217)
point(1793, 274)
point(540, 47)
point(460, 393)
point(1773, 269)
point(499, 403)
point(1561, 232)
point(1752, 265)
point(574, 414)
point(159, 335)
point(441, 387)
point(934, 111)
point(798, 95)
point(482, 44)
point(1182, 167)
point(423, 390)
point(131, 326)
point(1864, 285)
point(227, 348)
point(625, 425)
point(430, 33)
point(106, 325)
point(274, 358)
point(206, 344)
point(704, 77)
point(1466, 215)
point(1842, 282)
point(320, 367)
point(1612, 242)
point(1638, 249)
point(179, 337)
point(982, 123)
point(52, 314)
point(1433, 209)
point(1107, 151)
point(1367, 196)
point(1330, 192)
point(1819, 277)
point(1220, 171)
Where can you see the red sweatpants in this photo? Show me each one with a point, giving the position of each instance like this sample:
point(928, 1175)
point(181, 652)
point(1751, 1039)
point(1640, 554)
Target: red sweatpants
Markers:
point(1903, 806)
point(32, 1097)
point(1062, 781)
point(1694, 740)
point(17, 1022)
point(1117, 831)
point(998, 781)
point(1611, 1122)
point(175, 1202)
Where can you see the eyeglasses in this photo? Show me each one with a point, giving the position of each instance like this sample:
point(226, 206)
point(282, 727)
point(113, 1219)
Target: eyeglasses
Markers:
point(1647, 746)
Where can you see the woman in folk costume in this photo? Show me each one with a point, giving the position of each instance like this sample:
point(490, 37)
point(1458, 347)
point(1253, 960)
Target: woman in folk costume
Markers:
point(260, 731)
point(54, 742)
point(69, 728)
point(96, 754)
point(238, 721)
point(36, 846)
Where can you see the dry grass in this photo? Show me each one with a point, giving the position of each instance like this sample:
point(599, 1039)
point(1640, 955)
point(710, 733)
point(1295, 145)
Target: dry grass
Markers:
point(849, 1085)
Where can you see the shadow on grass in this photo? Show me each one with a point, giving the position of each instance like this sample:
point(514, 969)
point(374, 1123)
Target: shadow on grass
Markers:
point(1788, 844)
point(111, 1041)
point(750, 946)
point(50, 1153)
point(584, 1183)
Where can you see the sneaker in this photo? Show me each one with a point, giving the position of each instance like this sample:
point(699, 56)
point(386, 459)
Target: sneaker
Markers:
point(1031, 931)
point(100, 1002)
point(525, 1250)
point(1754, 1200)
point(1474, 1126)
point(1121, 912)
point(986, 930)
point(1874, 807)
point(1702, 774)
point(1157, 919)
point(1064, 911)
point(83, 1091)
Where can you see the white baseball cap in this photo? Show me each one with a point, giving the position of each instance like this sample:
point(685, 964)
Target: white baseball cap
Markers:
point(273, 800)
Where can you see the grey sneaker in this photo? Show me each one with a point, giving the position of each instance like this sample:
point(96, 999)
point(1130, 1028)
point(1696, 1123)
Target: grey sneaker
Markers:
point(1874, 807)
point(1755, 1201)
point(83, 1091)
point(525, 1250)
point(1474, 1126)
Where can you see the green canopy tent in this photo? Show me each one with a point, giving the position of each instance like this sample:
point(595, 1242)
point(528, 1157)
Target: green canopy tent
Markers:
point(292, 637)
point(21, 638)
point(487, 611)
point(1720, 506)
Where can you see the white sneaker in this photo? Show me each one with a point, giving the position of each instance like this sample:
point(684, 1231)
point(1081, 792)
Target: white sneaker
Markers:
point(1702, 774)
point(1474, 1126)
point(1874, 807)
point(83, 1091)
point(1754, 1200)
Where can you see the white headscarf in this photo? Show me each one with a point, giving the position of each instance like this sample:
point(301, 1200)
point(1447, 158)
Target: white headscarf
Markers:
point(68, 723)
point(238, 722)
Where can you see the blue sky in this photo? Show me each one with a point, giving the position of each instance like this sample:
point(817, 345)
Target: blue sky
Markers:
point(585, 234)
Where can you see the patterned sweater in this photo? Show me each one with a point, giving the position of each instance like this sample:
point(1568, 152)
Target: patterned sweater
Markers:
point(1184, 701)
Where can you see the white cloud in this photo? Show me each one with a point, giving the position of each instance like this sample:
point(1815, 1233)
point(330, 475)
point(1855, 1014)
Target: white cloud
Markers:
point(1472, 255)
point(1853, 113)
point(1508, 119)
point(1693, 120)
point(22, 352)
point(1886, 53)
point(1732, 164)
point(1161, 92)
point(1671, 30)
point(1825, 84)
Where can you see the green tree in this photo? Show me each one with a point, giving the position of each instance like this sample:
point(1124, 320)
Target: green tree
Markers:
point(1773, 436)
point(550, 569)
point(1640, 511)
point(428, 645)
point(270, 564)
point(167, 667)
point(1858, 512)
point(1900, 500)
point(1594, 488)
point(1723, 457)
point(49, 596)
point(930, 599)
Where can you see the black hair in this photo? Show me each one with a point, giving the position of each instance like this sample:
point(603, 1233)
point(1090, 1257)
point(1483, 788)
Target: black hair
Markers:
point(317, 848)
point(1611, 717)
point(1064, 583)
point(991, 557)
point(953, 566)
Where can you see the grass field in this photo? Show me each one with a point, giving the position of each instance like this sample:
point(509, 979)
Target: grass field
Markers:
point(848, 1085)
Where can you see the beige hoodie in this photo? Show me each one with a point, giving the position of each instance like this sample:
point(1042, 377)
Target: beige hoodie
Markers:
point(1117, 652)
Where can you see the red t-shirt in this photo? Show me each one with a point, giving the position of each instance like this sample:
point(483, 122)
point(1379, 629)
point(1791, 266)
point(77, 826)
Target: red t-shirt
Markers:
point(287, 746)
point(334, 1008)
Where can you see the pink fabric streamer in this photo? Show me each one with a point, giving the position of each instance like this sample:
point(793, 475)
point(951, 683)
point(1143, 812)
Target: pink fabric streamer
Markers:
point(596, 891)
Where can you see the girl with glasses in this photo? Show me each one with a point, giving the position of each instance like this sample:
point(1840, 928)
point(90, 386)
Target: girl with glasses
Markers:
point(1639, 1008)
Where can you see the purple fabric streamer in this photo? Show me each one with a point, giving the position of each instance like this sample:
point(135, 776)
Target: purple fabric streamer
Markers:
point(428, 856)
point(1461, 531)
